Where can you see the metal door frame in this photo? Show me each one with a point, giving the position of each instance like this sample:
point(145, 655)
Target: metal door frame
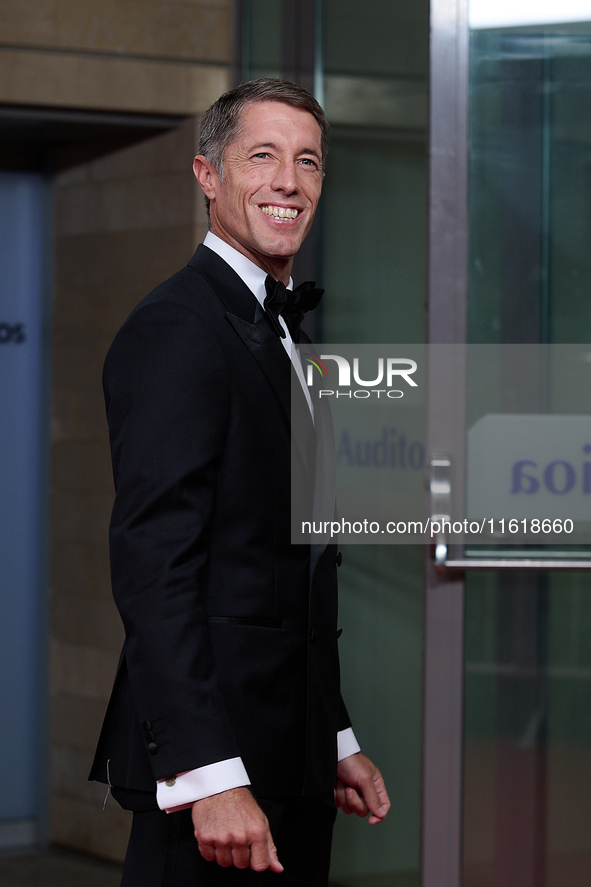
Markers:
point(443, 641)
point(441, 839)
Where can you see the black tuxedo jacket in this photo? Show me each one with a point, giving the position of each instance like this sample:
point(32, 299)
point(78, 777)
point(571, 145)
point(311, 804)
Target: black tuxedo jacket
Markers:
point(231, 634)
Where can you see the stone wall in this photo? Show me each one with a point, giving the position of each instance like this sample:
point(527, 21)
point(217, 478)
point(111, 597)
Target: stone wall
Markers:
point(150, 56)
point(122, 223)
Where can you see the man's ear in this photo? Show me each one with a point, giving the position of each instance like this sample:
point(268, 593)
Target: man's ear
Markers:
point(206, 175)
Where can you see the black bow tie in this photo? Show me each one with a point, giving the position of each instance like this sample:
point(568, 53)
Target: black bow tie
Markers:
point(291, 304)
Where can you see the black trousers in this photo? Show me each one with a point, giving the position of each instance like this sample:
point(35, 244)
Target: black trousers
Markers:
point(163, 851)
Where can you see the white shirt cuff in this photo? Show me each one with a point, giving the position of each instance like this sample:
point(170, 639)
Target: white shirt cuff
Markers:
point(346, 744)
point(181, 791)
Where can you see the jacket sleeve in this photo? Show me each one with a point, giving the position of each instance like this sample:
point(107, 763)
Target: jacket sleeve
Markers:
point(167, 394)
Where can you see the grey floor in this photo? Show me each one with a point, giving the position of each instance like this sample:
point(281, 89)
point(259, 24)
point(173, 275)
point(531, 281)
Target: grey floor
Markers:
point(57, 868)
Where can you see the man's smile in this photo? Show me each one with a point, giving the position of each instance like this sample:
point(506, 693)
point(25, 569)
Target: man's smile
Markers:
point(280, 212)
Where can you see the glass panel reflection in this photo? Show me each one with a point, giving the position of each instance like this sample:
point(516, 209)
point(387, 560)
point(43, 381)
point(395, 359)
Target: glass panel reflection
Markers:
point(527, 761)
point(530, 185)
point(372, 256)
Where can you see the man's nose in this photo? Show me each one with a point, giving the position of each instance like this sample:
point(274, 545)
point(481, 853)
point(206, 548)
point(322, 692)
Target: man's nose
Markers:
point(286, 178)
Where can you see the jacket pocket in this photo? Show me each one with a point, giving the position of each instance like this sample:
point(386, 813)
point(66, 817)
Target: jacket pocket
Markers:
point(246, 620)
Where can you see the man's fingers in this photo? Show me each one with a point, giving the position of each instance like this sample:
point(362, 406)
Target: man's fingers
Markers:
point(356, 803)
point(223, 855)
point(383, 799)
point(372, 797)
point(263, 855)
point(360, 788)
point(274, 863)
point(207, 851)
point(240, 855)
point(340, 797)
point(352, 800)
point(231, 829)
point(349, 800)
point(260, 857)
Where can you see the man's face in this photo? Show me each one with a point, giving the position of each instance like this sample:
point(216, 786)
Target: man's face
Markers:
point(265, 205)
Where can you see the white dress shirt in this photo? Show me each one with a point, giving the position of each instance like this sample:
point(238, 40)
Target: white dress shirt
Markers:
point(181, 791)
point(254, 278)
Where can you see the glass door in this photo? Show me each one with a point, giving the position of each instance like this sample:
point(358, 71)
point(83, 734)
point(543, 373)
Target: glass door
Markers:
point(507, 709)
point(527, 729)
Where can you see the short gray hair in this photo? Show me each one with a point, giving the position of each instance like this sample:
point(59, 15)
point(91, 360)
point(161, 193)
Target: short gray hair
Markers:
point(221, 124)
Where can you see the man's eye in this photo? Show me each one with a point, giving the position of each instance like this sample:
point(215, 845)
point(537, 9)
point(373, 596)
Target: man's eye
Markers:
point(307, 161)
point(262, 154)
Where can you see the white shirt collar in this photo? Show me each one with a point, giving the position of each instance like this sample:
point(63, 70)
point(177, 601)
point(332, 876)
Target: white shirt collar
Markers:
point(253, 276)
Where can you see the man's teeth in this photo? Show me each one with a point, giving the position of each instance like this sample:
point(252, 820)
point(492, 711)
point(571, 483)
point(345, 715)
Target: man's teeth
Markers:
point(280, 212)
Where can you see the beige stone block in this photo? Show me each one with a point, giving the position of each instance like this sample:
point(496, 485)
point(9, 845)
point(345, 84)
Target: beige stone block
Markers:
point(154, 201)
point(80, 517)
point(104, 301)
point(86, 621)
point(82, 671)
point(78, 362)
point(79, 415)
point(101, 277)
point(83, 287)
point(69, 768)
point(32, 77)
point(200, 31)
point(81, 467)
point(84, 825)
point(30, 24)
point(76, 330)
point(170, 29)
point(215, 4)
point(171, 151)
point(76, 723)
point(75, 175)
point(94, 271)
point(81, 567)
point(201, 229)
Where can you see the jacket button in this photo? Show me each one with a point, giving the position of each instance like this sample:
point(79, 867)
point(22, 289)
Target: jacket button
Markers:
point(152, 748)
point(339, 558)
point(146, 725)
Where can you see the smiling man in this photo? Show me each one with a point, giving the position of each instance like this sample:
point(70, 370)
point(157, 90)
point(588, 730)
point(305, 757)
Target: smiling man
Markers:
point(225, 733)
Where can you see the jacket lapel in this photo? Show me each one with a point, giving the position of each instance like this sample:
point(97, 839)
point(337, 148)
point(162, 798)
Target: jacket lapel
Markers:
point(323, 509)
point(248, 319)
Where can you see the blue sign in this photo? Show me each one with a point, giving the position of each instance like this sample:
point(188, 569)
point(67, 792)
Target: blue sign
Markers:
point(22, 480)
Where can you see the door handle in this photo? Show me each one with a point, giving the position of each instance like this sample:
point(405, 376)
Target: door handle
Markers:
point(510, 563)
point(440, 491)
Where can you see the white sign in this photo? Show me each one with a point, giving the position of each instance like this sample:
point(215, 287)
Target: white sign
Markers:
point(530, 466)
point(521, 13)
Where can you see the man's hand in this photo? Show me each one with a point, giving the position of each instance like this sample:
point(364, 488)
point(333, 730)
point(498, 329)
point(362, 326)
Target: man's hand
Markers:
point(231, 829)
point(360, 788)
